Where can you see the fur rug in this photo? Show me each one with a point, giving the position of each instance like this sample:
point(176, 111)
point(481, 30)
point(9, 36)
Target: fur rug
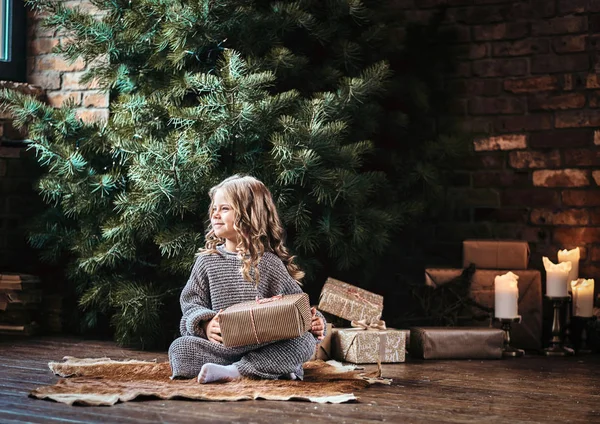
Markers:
point(102, 381)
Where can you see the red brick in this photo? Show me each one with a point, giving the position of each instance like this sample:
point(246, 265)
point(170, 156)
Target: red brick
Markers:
point(594, 21)
point(561, 178)
point(595, 253)
point(594, 216)
point(53, 62)
point(484, 161)
point(10, 152)
point(592, 81)
point(521, 47)
point(47, 80)
point(534, 159)
point(566, 7)
point(597, 137)
point(57, 98)
point(483, 197)
point(581, 197)
point(461, 69)
point(560, 217)
point(595, 99)
point(563, 25)
point(530, 197)
point(580, 118)
point(519, 123)
point(471, 51)
point(543, 8)
point(596, 177)
point(531, 84)
point(477, 125)
point(582, 157)
point(500, 214)
point(557, 101)
point(70, 81)
point(503, 31)
point(550, 63)
point(41, 46)
point(96, 99)
point(561, 138)
point(507, 142)
point(500, 67)
point(569, 44)
point(591, 271)
point(482, 87)
point(567, 82)
point(499, 179)
point(496, 106)
point(576, 236)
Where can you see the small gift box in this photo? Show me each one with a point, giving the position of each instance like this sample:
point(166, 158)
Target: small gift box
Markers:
point(369, 344)
point(323, 349)
point(526, 334)
point(349, 302)
point(456, 343)
point(496, 254)
point(265, 320)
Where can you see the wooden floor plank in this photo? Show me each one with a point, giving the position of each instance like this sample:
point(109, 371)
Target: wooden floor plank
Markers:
point(533, 389)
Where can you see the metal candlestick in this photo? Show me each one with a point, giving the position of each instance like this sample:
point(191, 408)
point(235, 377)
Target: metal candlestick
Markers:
point(569, 312)
point(557, 347)
point(582, 345)
point(507, 349)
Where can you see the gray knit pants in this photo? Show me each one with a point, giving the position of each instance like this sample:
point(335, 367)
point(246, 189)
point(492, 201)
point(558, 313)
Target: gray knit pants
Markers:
point(273, 360)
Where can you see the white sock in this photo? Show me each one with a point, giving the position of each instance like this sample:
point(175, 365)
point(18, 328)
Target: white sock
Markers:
point(213, 372)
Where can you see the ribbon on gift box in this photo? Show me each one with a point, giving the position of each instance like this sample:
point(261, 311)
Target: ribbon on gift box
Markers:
point(260, 301)
point(354, 292)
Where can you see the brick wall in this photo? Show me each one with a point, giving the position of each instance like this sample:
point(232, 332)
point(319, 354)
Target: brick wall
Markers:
point(528, 81)
point(59, 78)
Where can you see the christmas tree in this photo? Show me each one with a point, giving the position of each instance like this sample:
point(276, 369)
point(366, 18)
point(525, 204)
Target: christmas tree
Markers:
point(293, 93)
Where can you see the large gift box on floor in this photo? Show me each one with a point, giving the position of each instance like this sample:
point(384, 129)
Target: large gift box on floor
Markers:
point(496, 254)
point(456, 343)
point(525, 335)
point(265, 320)
point(350, 302)
point(370, 346)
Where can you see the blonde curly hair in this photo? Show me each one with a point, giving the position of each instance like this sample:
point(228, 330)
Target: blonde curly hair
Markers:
point(256, 223)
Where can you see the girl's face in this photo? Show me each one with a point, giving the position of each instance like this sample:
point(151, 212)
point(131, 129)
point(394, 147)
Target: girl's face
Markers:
point(222, 218)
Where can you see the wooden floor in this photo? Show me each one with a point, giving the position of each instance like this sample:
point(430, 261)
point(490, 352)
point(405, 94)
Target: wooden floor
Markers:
point(532, 389)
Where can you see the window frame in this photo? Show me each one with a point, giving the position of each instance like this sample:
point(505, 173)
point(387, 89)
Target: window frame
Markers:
point(15, 68)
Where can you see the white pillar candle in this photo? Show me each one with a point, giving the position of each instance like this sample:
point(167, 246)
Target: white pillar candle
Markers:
point(506, 296)
point(556, 278)
point(583, 297)
point(572, 256)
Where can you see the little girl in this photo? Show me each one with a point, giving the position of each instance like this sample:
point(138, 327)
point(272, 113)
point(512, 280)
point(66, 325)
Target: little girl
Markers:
point(244, 258)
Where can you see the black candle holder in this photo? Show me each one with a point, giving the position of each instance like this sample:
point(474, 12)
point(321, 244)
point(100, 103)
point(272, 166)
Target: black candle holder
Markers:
point(568, 322)
point(583, 322)
point(507, 350)
point(557, 347)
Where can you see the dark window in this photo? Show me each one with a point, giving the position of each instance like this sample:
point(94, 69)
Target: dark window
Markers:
point(12, 40)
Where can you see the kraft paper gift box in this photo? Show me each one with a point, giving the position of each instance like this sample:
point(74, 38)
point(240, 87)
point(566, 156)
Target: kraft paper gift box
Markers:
point(456, 343)
point(496, 254)
point(525, 335)
point(360, 346)
point(265, 320)
point(323, 349)
point(350, 302)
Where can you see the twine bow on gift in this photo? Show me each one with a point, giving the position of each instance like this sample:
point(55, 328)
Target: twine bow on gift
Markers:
point(363, 324)
point(354, 292)
point(269, 299)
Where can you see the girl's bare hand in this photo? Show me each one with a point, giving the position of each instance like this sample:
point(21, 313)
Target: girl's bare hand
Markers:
point(318, 326)
point(213, 329)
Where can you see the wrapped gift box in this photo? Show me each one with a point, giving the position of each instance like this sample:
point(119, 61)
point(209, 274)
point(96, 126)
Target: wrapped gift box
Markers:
point(361, 346)
point(350, 302)
point(496, 254)
point(265, 320)
point(525, 335)
point(323, 349)
point(456, 343)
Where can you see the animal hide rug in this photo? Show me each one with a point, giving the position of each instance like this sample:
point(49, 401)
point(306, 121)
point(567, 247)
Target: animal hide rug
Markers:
point(102, 381)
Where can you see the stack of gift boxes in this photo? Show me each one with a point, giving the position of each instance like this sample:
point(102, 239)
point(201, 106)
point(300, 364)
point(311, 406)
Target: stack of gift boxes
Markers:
point(366, 340)
point(501, 275)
